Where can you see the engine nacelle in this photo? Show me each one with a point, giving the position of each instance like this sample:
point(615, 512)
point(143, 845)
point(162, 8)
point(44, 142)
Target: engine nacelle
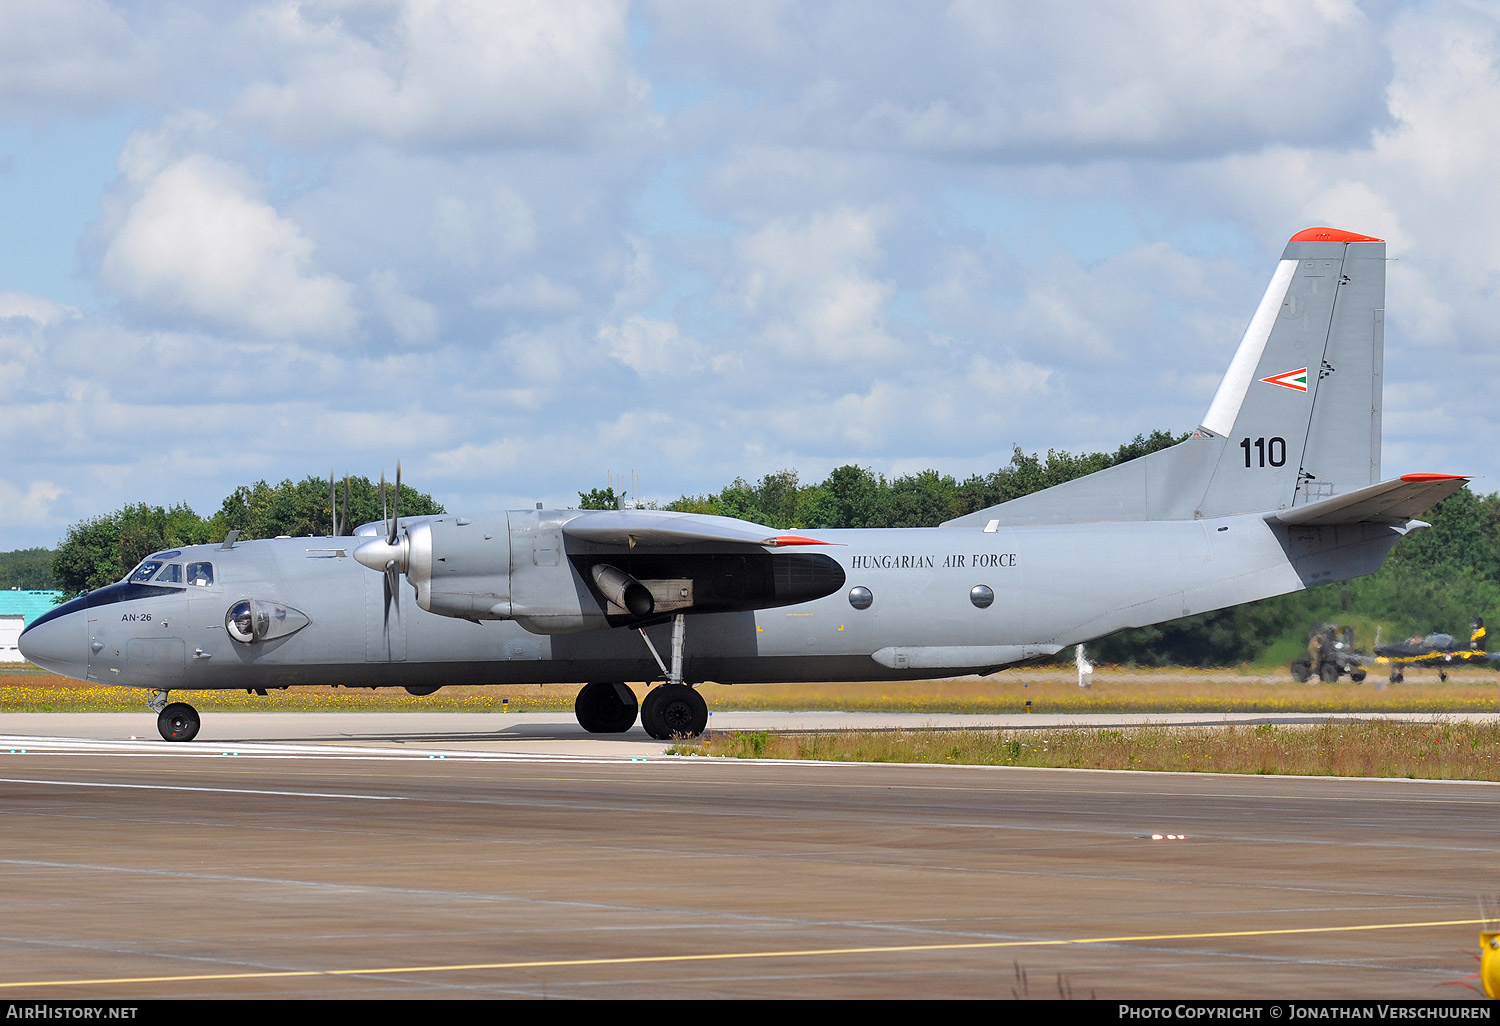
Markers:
point(501, 566)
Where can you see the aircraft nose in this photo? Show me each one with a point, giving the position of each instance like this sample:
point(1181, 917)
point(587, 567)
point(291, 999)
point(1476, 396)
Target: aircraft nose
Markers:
point(59, 644)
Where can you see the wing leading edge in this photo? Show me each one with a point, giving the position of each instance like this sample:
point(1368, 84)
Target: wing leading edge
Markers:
point(669, 529)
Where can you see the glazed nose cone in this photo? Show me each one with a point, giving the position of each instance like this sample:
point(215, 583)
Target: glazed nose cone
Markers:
point(59, 644)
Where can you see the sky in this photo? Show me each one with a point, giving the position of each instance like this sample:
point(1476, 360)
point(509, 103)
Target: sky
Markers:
point(523, 246)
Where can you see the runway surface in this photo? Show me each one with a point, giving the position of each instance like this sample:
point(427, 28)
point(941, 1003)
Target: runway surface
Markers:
point(285, 855)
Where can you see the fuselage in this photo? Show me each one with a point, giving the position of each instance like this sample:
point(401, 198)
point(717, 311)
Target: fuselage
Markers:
point(915, 603)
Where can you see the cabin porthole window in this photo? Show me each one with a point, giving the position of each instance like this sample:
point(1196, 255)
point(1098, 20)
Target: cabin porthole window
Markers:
point(981, 595)
point(860, 598)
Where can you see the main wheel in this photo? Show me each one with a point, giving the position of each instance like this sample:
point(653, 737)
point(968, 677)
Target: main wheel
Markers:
point(1328, 673)
point(1301, 670)
point(178, 722)
point(1357, 676)
point(606, 707)
point(674, 710)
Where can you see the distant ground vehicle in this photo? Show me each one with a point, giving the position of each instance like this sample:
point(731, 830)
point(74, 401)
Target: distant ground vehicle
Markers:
point(1330, 655)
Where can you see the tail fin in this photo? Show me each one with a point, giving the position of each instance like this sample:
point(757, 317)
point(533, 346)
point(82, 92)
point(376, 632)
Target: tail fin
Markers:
point(1295, 420)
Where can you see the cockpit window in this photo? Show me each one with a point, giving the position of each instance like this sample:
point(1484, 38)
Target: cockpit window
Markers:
point(200, 575)
point(144, 572)
point(170, 574)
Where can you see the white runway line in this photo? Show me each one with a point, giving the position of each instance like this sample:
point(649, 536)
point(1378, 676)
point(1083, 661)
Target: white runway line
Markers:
point(17, 744)
point(208, 790)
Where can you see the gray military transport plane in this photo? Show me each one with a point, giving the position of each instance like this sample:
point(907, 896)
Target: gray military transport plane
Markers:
point(1278, 489)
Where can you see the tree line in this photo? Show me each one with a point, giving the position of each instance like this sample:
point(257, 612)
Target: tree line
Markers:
point(102, 549)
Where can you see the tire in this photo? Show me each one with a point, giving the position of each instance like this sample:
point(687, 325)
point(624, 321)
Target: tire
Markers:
point(674, 711)
point(1357, 676)
point(606, 707)
point(1328, 673)
point(1301, 670)
point(178, 722)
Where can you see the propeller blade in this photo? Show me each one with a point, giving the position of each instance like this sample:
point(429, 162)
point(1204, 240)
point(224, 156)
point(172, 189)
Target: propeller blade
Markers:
point(392, 590)
point(333, 505)
point(344, 518)
point(385, 618)
point(384, 513)
point(395, 508)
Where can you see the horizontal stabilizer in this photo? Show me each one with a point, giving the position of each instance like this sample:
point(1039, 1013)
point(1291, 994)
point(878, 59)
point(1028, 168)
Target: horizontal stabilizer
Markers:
point(1389, 502)
point(659, 528)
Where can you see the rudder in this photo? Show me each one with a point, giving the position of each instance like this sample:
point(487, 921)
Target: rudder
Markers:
point(1299, 408)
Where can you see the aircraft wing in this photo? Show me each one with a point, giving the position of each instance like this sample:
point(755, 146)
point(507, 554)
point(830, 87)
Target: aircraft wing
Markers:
point(653, 528)
point(1390, 502)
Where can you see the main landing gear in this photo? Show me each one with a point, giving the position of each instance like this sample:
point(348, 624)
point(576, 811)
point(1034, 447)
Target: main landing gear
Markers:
point(606, 708)
point(177, 721)
point(672, 710)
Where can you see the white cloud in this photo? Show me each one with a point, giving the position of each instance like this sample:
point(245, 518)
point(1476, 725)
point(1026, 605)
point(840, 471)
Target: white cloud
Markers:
point(807, 285)
point(461, 71)
point(650, 347)
point(1017, 81)
point(28, 506)
point(197, 240)
point(494, 229)
point(532, 293)
point(413, 320)
point(74, 55)
point(33, 308)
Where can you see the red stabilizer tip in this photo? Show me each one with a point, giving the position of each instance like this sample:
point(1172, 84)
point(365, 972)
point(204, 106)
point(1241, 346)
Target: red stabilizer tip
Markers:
point(1414, 478)
point(1331, 235)
point(794, 539)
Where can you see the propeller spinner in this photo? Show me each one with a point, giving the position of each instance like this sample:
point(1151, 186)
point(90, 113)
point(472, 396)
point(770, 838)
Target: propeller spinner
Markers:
point(392, 554)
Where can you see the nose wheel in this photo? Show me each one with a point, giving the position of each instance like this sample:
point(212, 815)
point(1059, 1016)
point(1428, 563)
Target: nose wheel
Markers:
point(177, 721)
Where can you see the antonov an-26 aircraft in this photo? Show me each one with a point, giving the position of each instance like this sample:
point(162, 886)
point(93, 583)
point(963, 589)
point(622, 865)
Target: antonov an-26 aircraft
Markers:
point(1278, 489)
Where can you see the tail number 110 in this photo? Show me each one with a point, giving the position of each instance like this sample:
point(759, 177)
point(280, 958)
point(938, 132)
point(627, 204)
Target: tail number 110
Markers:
point(1268, 452)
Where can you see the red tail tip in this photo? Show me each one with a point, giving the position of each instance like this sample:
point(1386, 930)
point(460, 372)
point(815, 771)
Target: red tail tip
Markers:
point(1331, 235)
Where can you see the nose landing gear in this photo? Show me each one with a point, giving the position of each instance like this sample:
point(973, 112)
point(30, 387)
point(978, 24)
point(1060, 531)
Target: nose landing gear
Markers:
point(177, 721)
